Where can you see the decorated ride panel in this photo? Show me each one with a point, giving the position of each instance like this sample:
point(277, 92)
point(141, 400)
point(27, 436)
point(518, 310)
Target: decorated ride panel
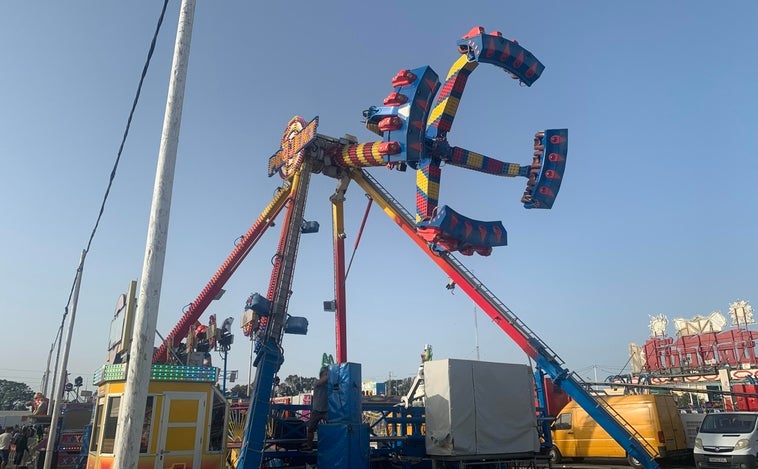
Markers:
point(403, 116)
point(501, 52)
point(287, 160)
point(546, 172)
point(448, 230)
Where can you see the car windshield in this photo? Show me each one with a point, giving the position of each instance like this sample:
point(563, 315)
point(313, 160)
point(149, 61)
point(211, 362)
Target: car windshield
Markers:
point(728, 423)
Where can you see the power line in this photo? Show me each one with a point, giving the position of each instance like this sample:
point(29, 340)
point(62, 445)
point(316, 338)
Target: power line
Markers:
point(116, 162)
point(18, 369)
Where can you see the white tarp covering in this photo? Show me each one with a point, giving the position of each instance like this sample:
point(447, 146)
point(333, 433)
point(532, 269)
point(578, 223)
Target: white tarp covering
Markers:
point(475, 407)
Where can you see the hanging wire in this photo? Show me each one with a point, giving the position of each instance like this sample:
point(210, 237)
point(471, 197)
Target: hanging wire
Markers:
point(123, 139)
point(116, 162)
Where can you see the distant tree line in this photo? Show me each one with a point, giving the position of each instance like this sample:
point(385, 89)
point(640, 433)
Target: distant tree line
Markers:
point(293, 385)
point(14, 395)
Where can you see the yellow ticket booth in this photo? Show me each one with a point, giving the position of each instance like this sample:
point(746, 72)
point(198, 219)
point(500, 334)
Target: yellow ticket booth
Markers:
point(183, 425)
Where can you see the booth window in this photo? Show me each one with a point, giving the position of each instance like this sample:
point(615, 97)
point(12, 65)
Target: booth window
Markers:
point(96, 430)
point(147, 425)
point(109, 426)
point(218, 415)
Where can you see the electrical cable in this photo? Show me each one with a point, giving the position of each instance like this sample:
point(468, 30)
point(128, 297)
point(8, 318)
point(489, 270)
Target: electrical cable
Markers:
point(128, 122)
point(118, 155)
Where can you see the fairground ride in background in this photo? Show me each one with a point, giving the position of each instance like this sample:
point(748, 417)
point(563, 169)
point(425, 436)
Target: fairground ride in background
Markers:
point(414, 121)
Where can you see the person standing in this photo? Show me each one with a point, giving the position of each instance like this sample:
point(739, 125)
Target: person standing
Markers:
point(5, 447)
point(319, 406)
point(22, 444)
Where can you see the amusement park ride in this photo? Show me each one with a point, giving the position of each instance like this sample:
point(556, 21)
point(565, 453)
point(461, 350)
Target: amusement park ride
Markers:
point(413, 122)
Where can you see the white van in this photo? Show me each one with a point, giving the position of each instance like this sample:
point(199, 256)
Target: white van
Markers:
point(727, 440)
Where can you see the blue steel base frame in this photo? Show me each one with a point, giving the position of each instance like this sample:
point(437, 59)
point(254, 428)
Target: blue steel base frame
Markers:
point(543, 419)
point(269, 360)
point(395, 437)
point(395, 434)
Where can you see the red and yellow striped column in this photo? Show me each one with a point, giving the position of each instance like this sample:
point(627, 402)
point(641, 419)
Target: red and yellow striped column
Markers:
point(428, 176)
point(449, 97)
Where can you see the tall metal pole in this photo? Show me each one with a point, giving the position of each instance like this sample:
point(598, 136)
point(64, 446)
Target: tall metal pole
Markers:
point(250, 368)
point(53, 391)
point(52, 436)
point(338, 232)
point(476, 333)
point(46, 378)
point(223, 386)
point(129, 427)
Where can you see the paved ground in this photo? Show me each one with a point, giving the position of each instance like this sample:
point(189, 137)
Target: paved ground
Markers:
point(617, 464)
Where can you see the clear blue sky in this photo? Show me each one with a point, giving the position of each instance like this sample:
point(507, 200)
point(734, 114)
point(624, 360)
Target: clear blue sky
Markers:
point(656, 213)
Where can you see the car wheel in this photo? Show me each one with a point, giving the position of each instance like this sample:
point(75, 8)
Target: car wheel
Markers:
point(634, 462)
point(554, 455)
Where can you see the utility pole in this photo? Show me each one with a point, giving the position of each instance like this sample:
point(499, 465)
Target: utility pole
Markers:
point(476, 330)
point(250, 369)
point(46, 377)
point(52, 436)
point(129, 427)
point(476, 333)
point(53, 390)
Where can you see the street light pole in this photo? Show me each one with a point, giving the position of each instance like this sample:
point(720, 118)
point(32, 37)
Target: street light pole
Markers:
point(250, 368)
point(223, 385)
point(476, 333)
